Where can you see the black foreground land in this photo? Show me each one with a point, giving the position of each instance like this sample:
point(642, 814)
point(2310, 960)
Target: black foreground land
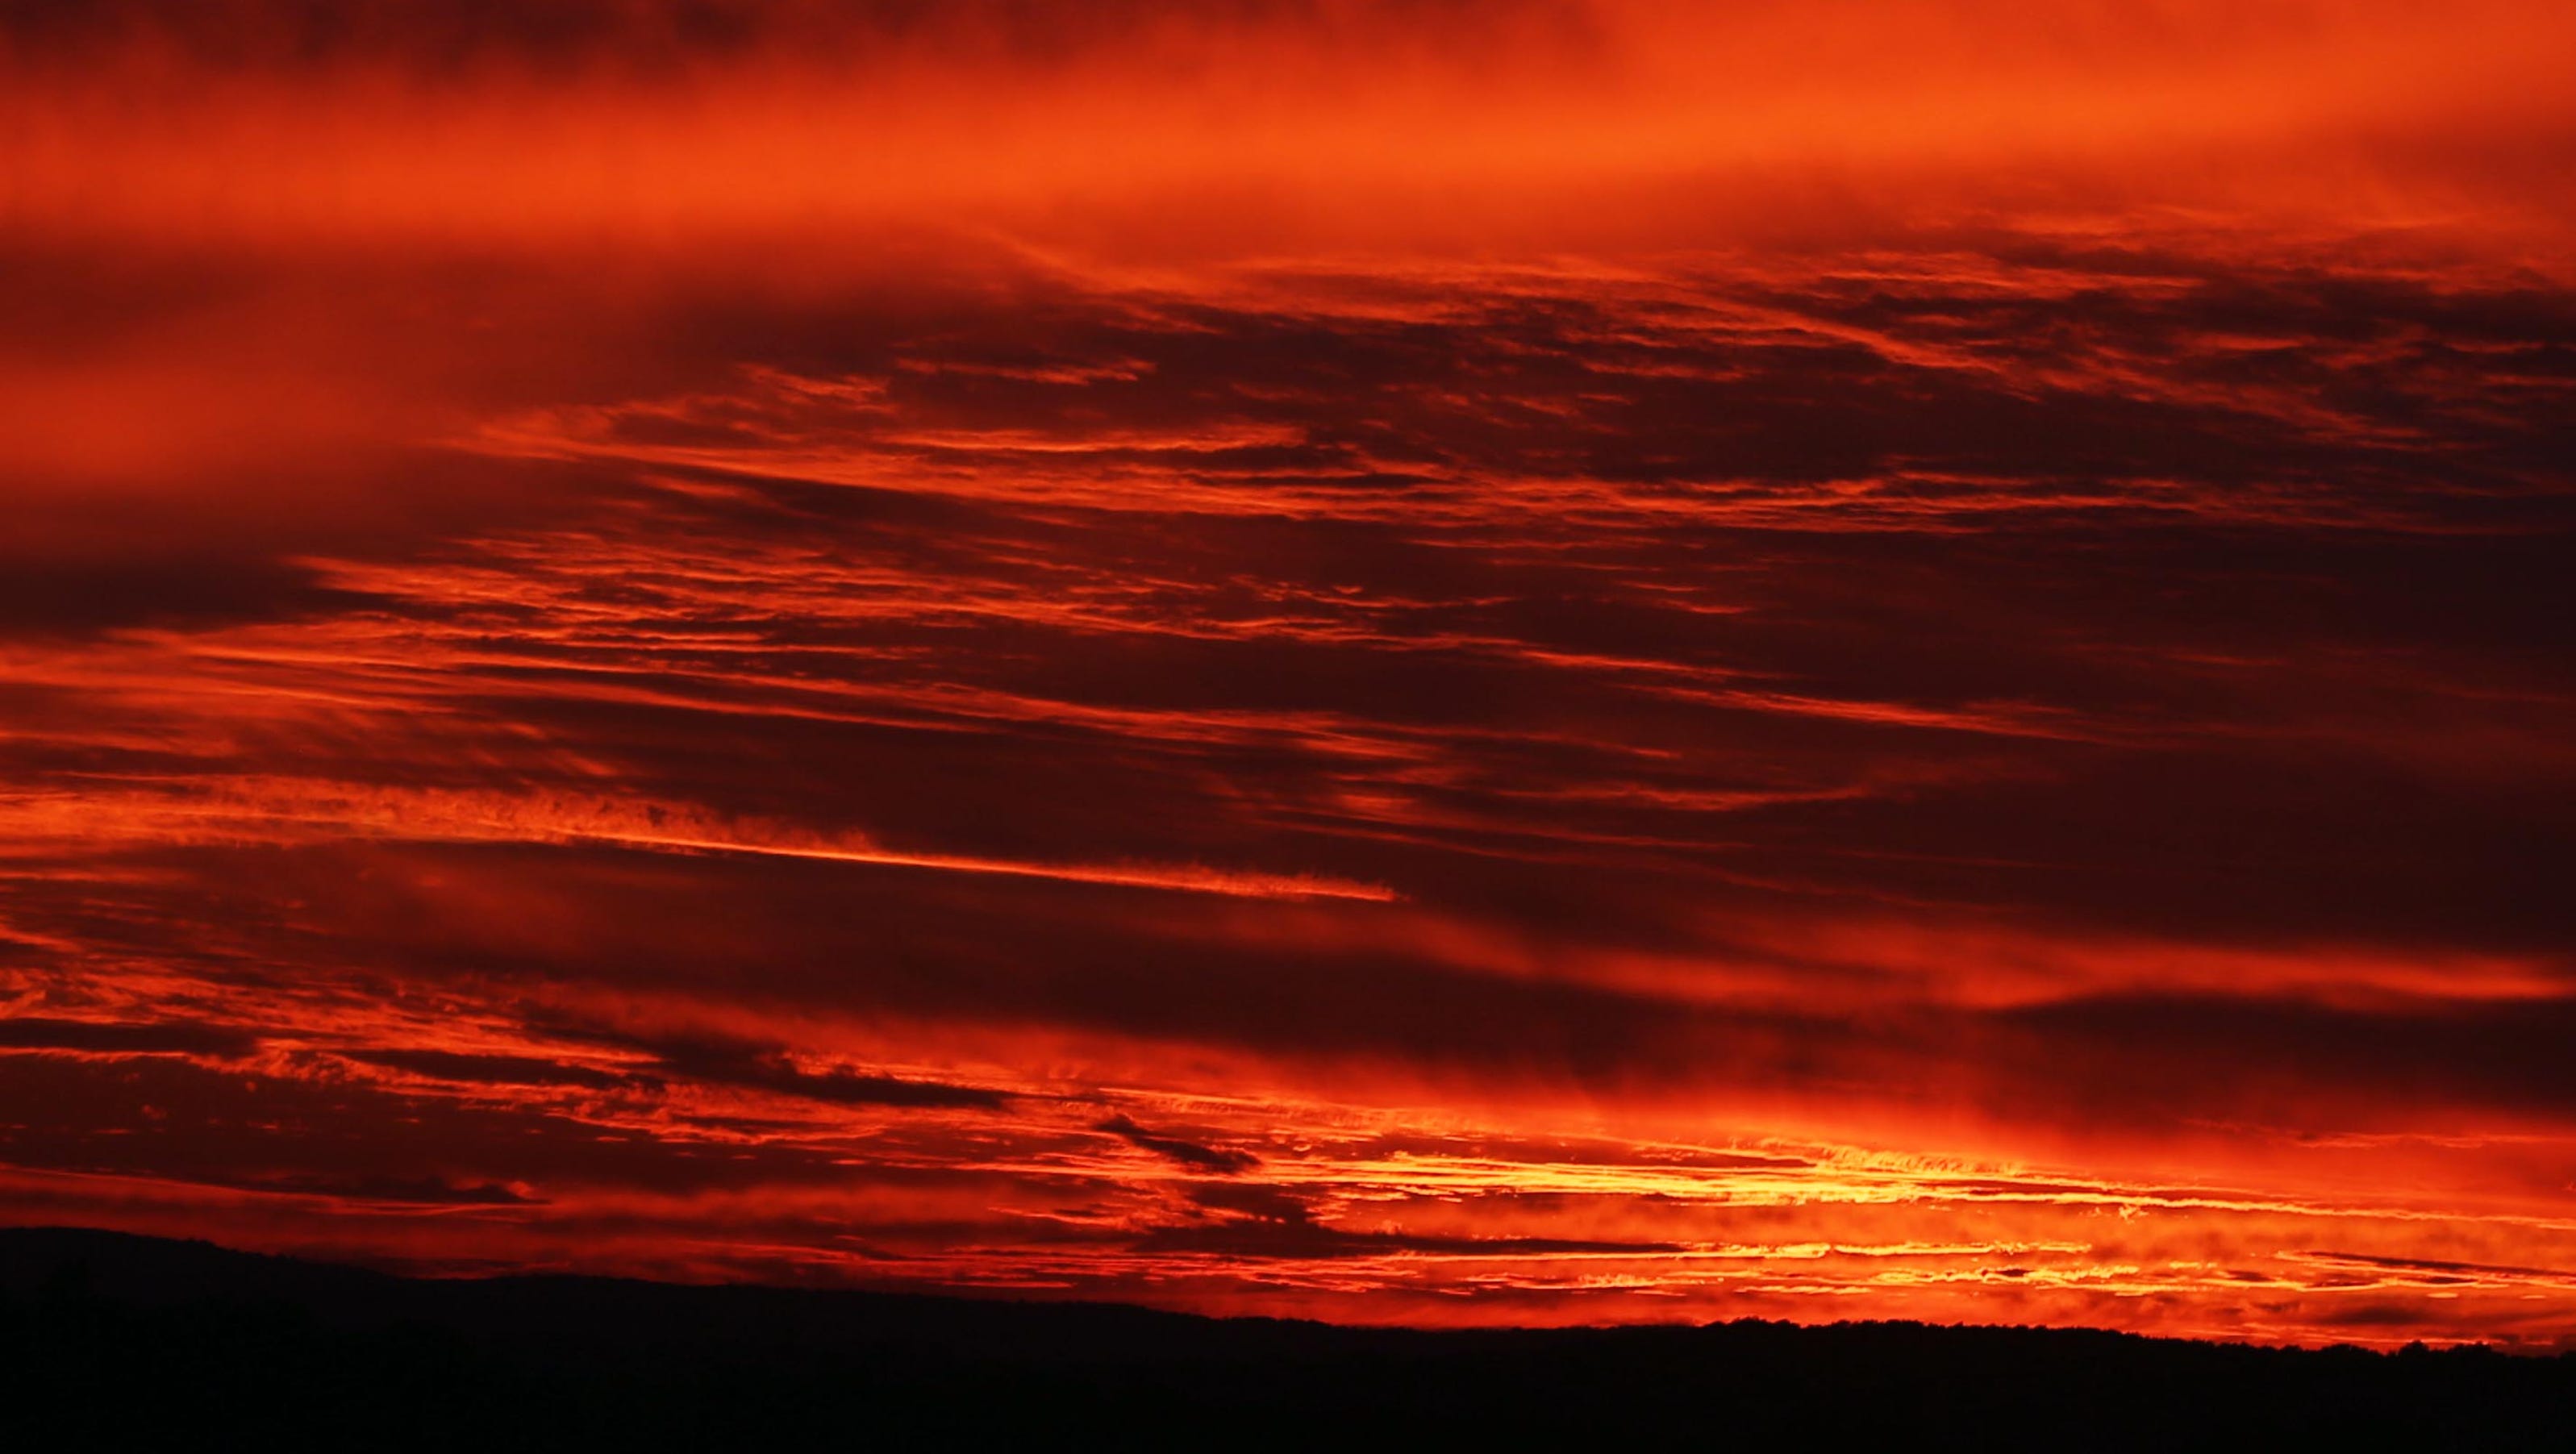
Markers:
point(109, 1341)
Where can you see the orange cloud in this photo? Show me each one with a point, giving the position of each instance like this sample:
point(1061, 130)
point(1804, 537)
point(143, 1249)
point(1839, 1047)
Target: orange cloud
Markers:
point(1469, 664)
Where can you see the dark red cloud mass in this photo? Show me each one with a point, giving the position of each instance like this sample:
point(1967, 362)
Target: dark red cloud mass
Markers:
point(1423, 663)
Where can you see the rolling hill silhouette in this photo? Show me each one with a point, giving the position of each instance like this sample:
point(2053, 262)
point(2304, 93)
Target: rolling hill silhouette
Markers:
point(114, 1340)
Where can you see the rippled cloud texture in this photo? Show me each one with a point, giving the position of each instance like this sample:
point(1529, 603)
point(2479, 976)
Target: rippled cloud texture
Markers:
point(1431, 663)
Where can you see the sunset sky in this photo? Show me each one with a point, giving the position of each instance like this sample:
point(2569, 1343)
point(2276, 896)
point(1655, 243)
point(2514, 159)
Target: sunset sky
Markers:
point(1454, 663)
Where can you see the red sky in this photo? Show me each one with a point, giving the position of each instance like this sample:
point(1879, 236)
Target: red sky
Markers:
point(1442, 663)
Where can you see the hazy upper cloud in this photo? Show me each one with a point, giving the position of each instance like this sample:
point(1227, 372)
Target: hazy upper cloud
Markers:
point(1161, 131)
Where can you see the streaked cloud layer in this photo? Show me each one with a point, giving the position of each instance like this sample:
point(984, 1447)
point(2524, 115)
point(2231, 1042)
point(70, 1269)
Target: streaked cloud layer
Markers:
point(1404, 664)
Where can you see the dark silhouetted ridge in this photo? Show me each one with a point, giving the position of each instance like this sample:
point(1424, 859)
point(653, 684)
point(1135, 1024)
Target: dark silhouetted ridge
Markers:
point(116, 1340)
